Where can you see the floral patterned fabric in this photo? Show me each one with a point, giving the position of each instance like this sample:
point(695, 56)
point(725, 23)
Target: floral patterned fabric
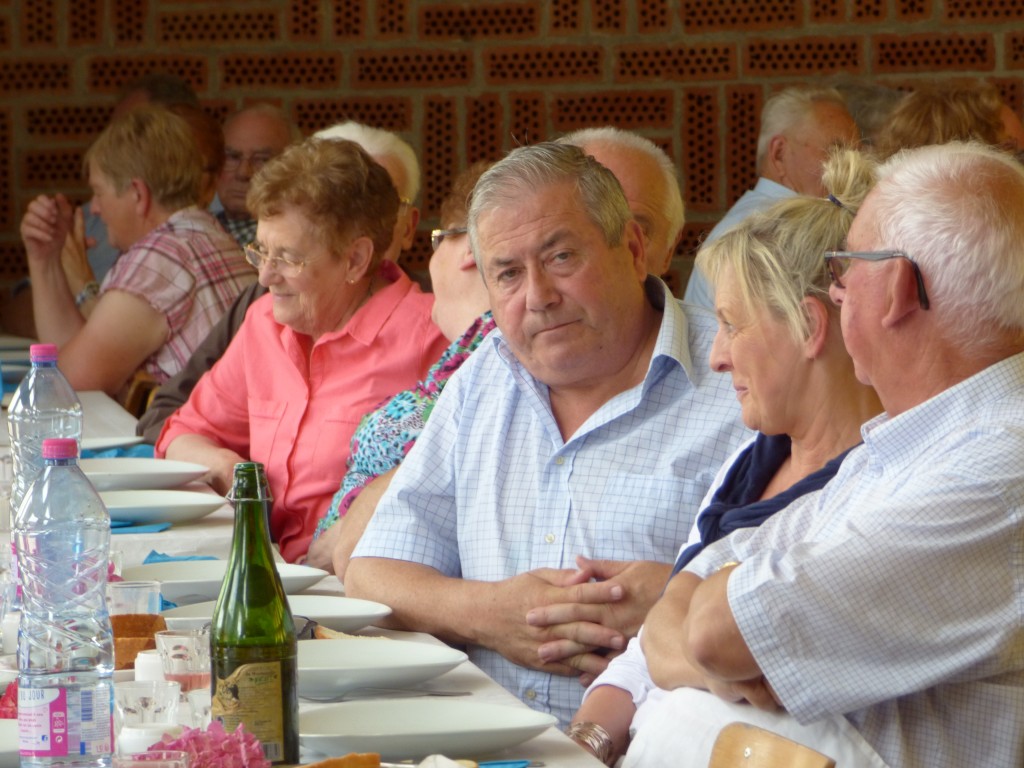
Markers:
point(386, 435)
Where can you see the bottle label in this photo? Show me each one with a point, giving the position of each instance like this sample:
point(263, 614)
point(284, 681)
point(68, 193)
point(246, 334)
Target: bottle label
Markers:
point(252, 694)
point(57, 722)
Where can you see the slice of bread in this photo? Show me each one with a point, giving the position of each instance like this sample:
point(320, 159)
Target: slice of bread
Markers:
point(134, 632)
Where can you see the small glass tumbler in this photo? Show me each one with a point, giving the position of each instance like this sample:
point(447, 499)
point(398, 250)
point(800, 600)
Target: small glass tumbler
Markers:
point(185, 656)
point(144, 710)
point(152, 758)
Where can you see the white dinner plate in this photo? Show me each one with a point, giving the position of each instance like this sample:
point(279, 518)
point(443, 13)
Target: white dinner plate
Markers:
point(15, 342)
point(193, 581)
point(10, 755)
point(344, 614)
point(415, 728)
point(160, 506)
point(14, 372)
point(329, 669)
point(127, 474)
point(15, 356)
point(103, 443)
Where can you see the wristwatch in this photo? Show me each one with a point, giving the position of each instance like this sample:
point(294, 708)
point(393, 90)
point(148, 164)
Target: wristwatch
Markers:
point(90, 291)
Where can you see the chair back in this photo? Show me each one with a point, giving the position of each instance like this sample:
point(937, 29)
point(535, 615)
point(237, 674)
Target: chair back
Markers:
point(741, 745)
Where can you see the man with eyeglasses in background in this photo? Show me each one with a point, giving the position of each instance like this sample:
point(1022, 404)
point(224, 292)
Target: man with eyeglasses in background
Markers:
point(387, 149)
point(252, 136)
point(880, 620)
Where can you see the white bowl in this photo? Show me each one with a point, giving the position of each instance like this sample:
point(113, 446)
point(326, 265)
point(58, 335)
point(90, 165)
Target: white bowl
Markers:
point(193, 581)
point(344, 614)
point(127, 473)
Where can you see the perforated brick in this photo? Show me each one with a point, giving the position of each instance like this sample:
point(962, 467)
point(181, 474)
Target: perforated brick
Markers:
point(930, 53)
point(440, 139)
point(609, 15)
point(35, 75)
point(555, 63)
point(742, 124)
point(913, 10)
point(52, 169)
point(983, 10)
point(217, 27)
point(84, 23)
point(349, 19)
point(392, 17)
point(305, 20)
point(528, 119)
point(823, 11)
point(636, 109)
point(505, 20)
point(565, 15)
point(484, 120)
point(694, 235)
point(38, 22)
point(676, 62)
point(701, 148)
point(6, 205)
point(390, 113)
point(67, 122)
point(108, 74)
point(129, 20)
point(416, 260)
point(415, 67)
point(704, 16)
point(1012, 91)
point(296, 70)
point(5, 33)
point(653, 15)
point(809, 56)
point(869, 10)
point(12, 260)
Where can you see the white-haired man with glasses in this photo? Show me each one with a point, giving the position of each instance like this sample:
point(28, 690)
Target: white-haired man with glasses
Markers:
point(882, 619)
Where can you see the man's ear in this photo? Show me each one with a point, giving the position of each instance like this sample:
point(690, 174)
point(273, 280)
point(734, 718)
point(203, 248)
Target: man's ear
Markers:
point(775, 159)
point(903, 299)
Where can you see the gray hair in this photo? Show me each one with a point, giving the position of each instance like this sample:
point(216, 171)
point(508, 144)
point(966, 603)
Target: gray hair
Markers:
point(675, 210)
point(957, 209)
point(527, 169)
point(786, 109)
point(380, 143)
point(775, 255)
point(268, 110)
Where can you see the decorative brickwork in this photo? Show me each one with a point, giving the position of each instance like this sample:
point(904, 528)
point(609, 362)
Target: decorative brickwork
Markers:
point(506, 20)
point(218, 27)
point(700, 16)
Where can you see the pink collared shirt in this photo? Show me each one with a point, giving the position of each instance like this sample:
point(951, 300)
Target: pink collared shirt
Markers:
point(275, 401)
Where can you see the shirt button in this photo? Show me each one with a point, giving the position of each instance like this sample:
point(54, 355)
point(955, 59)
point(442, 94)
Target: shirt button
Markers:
point(549, 538)
point(531, 694)
point(560, 460)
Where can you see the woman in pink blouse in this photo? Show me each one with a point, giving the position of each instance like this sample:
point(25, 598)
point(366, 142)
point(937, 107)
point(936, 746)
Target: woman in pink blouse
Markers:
point(339, 331)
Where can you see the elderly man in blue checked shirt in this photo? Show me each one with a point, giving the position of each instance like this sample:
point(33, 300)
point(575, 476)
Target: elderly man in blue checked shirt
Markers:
point(890, 604)
point(575, 444)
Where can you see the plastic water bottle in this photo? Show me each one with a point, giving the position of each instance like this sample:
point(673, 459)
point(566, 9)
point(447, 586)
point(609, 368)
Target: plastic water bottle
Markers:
point(44, 405)
point(65, 644)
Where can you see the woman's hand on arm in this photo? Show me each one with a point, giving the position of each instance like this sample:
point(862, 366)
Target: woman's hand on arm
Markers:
point(202, 450)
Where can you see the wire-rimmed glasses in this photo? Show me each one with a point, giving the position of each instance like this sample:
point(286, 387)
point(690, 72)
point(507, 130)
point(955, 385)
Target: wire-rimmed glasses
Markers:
point(257, 256)
point(838, 263)
point(437, 236)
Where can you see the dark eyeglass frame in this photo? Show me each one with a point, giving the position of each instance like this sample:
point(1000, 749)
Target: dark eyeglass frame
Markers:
point(838, 263)
point(437, 236)
point(233, 160)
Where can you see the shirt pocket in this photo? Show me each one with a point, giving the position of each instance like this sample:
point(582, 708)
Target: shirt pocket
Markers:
point(265, 419)
point(649, 516)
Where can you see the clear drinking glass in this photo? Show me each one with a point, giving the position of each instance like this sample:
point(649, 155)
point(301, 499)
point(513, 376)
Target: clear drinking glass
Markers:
point(185, 656)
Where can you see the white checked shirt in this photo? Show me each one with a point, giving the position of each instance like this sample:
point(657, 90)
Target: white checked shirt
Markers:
point(491, 489)
point(896, 594)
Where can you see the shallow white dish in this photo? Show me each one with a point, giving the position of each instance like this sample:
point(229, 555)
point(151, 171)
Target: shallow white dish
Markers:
point(9, 752)
point(193, 581)
point(103, 443)
point(139, 474)
point(329, 669)
point(15, 342)
point(14, 372)
point(415, 728)
point(344, 614)
point(160, 506)
point(15, 356)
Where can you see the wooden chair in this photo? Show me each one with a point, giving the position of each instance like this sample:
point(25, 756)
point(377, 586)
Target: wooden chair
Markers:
point(740, 745)
point(139, 393)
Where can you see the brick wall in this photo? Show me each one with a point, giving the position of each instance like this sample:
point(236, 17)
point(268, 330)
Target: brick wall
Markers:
point(469, 80)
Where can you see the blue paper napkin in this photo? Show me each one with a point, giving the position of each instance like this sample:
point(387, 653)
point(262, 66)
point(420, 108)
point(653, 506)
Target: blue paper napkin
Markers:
point(139, 450)
point(148, 528)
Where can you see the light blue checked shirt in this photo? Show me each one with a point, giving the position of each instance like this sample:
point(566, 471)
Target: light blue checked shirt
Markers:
point(491, 490)
point(896, 594)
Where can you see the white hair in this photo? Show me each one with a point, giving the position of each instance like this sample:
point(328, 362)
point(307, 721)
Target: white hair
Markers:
point(786, 109)
point(380, 143)
point(675, 210)
point(957, 209)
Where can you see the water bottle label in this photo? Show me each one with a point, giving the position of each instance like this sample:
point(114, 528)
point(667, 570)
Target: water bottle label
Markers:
point(57, 722)
point(252, 694)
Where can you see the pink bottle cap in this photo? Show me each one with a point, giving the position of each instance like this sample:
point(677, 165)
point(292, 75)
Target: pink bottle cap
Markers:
point(60, 448)
point(42, 353)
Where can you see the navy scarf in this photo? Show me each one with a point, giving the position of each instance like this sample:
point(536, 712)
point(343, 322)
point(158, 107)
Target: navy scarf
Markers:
point(738, 504)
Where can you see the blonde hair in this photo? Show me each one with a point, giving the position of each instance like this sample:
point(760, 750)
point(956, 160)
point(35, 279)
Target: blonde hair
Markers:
point(776, 257)
point(153, 145)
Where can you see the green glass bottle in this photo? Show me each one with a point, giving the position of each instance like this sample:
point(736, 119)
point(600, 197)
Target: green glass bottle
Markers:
point(253, 652)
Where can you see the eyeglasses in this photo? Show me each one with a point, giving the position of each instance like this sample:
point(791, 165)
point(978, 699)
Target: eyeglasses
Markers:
point(838, 263)
point(233, 159)
point(257, 255)
point(437, 236)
